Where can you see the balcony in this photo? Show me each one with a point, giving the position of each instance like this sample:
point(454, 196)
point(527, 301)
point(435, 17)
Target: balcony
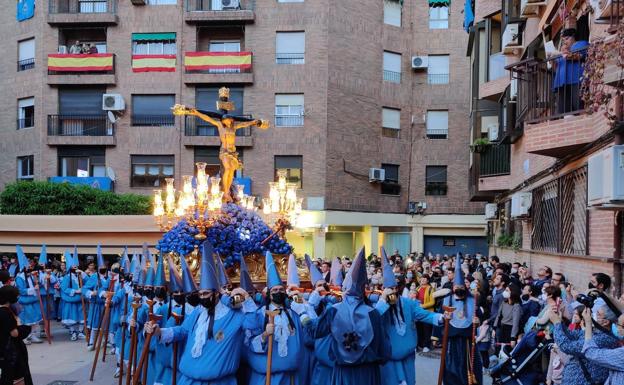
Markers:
point(81, 11)
point(199, 133)
point(490, 172)
point(218, 67)
point(437, 78)
point(153, 120)
point(100, 183)
point(81, 69)
point(217, 11)
point(26, 64)
point(80, 130)
point(391, 76)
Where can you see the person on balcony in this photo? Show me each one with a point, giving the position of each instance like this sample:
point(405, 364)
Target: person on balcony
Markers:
point(76, 48)
point(92, 49)
point(569, 71)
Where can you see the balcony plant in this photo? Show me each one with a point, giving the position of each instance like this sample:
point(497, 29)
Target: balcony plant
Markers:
point(505, 240)
point(479, 145)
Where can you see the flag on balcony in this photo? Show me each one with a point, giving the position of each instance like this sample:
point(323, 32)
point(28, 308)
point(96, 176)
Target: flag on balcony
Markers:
point(153, 63)
point(202, 61)
point(25, 9)
point(77, 63)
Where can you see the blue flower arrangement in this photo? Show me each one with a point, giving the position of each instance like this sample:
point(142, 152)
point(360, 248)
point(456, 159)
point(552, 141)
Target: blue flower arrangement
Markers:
point(237, 232)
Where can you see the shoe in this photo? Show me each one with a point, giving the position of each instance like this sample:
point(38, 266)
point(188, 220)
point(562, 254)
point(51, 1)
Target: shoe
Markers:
point(42, 335)
point(81, 336)
point(74, 336)
point(35, 340)
point(27, 341)
point(116, 375)
point(425, 350)
point(90, 348)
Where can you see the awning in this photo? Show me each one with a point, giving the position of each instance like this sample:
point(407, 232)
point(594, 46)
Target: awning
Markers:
point(153, 63)
point(153, 36)
point(439, 3)
point(79, 63)
point(217, 60)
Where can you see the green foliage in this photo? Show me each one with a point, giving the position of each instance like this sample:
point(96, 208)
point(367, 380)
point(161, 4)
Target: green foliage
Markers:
point(46, 198)
point(481, 142)
point(505, 240)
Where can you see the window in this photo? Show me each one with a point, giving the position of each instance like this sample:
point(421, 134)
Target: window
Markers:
point(438, 17)
point(225, 46)
point(25, 166)
point(438, 70)
point(435, 182)
point(152, 110)
point(437, 124)
point(154, 43)
point(289, 110)
point(392, 12)
point(210, 156)
point(82, 161)
point(292, 165)
point(26, 55)
point(205, 100)
point(93, 6)
point(290, 48)
point(390, 122)
point(25, 113)
point(392, 67)
point(390, 185)
point(151, 170)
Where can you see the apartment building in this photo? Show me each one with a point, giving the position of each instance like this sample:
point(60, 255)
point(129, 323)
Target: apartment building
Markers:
point(547, 169)
point(368, 104)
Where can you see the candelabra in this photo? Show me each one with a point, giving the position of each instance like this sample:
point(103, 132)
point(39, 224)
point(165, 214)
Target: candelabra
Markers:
point(282, 206)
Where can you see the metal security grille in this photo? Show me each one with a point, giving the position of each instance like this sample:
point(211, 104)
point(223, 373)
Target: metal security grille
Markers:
point(560, 214)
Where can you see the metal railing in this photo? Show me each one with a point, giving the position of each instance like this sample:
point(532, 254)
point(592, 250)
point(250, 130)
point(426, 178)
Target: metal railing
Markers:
point(437, 78)
point(25, 122)
point(226, 69)
point(495, 160)
point(288, 120)
point(437, 133)
point(436, 188)
point(616, 14)
point(82, 6)
point(87, 71)
point(290, 58)
point(194, 126)
point(549, 89)
point(26, 64)
point(559, 211)
point(80, 125)
point(153, 120)
point(391, 76)
point(219, 5)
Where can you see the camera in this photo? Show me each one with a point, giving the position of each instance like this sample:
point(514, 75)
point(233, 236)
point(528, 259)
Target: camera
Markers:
point(586, 300)
point(236, 300)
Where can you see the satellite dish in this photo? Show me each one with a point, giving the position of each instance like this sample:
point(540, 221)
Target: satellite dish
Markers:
point(112, 117)
point(110, 173)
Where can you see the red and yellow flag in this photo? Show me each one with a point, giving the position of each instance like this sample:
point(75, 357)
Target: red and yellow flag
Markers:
point(80, 62)
point(153, 63)
point(202, 61)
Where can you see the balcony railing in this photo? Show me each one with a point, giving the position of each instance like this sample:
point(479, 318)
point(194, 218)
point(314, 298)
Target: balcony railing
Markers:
point(288, 120)
point(82, 6)
point(549, 89)
point(218, 5)
point(290, 58)
point(79, 64)
point(153, 120)
point(437, 78)
point(25, 64)
point(495, 160)
point(194, 126)
point(218, 62)
point(25, 122)
point(80, 125)
point(616, 14)
point(437, 133)
point(391, 76)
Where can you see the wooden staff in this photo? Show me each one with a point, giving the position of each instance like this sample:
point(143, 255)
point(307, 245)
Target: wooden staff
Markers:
point(111, 288)
point(271, 315)
point(84, 308)
point(174, 368)
point(46, 325)
point(133, 340)
point(123, 338)
point(143, 361)
point(472, 379)
point(150, 304)
point(448, 309)
point(103, 322)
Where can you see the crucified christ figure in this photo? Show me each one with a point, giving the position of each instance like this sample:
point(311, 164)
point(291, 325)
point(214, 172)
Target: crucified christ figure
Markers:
point(227, 126)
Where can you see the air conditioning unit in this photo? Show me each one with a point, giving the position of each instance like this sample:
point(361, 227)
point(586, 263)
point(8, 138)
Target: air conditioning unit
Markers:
point(420, 62)
point(376, 175)
point(513, 89)
point(520, 204)
point(491, 211)
point(138, 2)
point(113, 102)
point(230, 4)
point(530, 8)
point(416, 207)
point(493, 132)
point(605, 177)
point(511, 38)
point(62, 49)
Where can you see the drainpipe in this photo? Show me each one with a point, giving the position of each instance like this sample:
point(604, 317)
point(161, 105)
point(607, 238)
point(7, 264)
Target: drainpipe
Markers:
point(619, 216)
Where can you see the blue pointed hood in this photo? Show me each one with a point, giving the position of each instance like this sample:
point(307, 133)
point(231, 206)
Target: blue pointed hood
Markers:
point(208, 279)
point(459, 273)
point(188, 283)
point(175, 281)
point(22, 260)
point(245, 279)
point(135, 266)
point(43, 256)
point(221, 274)
point(75, 256)
point(160, 279)
point(150, 276)
point(388, 275)
point(69, 260)
point(357, 276)
point(148, 255)
point(293, 275)
point(125, 261)
point(335, 274)
point(100, 257)
point(273, 277)
point(315, 273)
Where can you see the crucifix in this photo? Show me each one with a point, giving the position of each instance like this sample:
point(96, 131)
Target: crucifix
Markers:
point(227, 125)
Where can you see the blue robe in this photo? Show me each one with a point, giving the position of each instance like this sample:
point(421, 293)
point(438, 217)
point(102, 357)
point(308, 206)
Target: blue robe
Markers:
point(220, 355)
point(120, 330)
point(117, 303)
point(322, 366)
point(97, 285)
point(71, 311)
point(367, 369)
point(46, 290)
point(163, 359)
point(28, 298)
point(404, 339)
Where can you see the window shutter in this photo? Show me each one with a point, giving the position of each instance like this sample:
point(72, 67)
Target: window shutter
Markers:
point(438, 65)
point(437, 120)
point(26, 102)
point(391, 118)
point(392, 61)
point(26, 49)
point(289, 99)
point(290, 42)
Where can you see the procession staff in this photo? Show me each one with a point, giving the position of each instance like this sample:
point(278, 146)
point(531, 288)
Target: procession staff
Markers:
point(46, 282)
point(127, 268)
point(104, 322)
point(95, 290)
point(146, 312)
point(31, 313)
point(71, 295)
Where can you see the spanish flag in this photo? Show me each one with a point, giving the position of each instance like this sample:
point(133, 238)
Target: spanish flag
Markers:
point(80, 62)
point(153, 63)
point(202, 61)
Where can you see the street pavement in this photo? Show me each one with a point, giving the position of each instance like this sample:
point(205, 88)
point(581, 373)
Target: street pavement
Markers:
point(68, 362)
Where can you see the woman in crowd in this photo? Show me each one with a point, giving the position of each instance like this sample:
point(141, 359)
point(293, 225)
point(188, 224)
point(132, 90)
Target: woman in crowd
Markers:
point(507, 321)
point(13, 353)
point(612, 358)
